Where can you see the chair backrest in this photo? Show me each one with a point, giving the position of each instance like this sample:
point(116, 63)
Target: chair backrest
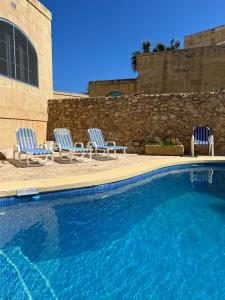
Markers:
point(63, 138)
point(201, 135)
point(95, 135)
point(26, 138)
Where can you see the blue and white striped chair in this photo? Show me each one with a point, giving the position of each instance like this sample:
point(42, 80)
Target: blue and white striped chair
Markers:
point(27, 145)
point(202, 136)
point(64, 143)
point(97, 141)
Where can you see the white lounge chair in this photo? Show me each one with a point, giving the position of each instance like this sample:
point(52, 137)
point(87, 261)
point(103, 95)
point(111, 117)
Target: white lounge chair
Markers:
point(65, 144)
point(97, 141)
point(27, 145)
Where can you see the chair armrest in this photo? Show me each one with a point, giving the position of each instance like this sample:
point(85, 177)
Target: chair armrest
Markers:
point(16, 148)
point(56, 145)
point(92, 145)
point(111, 143)
point(211, 139)
point(79, 144)
point(43, 146)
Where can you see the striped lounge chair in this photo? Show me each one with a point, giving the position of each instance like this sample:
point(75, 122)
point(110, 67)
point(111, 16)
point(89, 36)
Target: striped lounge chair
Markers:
point(64, 143)
point(97, 141)
point(27, 145)
point(202, 136)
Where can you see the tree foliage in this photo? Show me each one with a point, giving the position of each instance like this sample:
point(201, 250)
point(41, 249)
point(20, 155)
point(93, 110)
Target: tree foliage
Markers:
point(146, 45)
point(134, 60)
point(146, 48)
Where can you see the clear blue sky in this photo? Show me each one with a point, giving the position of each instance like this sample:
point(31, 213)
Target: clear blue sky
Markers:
point(94, 39)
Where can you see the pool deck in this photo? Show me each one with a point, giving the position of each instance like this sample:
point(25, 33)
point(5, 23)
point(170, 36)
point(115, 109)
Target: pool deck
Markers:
point(63, 175)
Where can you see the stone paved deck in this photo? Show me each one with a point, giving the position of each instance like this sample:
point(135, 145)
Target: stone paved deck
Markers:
point(62, 175)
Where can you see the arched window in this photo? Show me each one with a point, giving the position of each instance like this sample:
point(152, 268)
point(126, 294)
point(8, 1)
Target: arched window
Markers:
point(115, 94)
point(18, 58)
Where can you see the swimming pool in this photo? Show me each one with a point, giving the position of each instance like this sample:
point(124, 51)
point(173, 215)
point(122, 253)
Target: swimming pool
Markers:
point(157, 237)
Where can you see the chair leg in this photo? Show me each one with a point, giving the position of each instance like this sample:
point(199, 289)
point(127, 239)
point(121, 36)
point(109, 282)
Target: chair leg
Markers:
point(28, 162)
point(192, 149)
point(51, 159)
point(90, 154)
point(212, 147)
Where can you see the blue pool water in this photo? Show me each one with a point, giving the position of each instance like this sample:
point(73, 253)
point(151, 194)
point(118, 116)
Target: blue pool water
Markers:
point(159, 238)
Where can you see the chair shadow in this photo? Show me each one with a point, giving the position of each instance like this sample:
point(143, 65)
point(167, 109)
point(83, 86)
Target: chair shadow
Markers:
point(103, 158)
point(18, 164)
point(85, 160)
point(66, 161)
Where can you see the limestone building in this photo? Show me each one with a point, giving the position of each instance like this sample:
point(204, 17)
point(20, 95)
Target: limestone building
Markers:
point(25, 68)
point(199, 67)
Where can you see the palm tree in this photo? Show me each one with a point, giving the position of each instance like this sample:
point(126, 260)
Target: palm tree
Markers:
point(134, 60)
point(146, 45)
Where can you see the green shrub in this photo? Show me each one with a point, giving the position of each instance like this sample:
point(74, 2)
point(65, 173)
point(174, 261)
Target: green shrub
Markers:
point(155, 140)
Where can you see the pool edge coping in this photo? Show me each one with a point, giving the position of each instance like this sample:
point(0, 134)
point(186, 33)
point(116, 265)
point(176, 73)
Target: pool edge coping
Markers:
point(105, 177)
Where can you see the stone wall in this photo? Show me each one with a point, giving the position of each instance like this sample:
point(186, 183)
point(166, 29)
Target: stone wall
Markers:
point(137, 117)
point(23, 105)
point(211, 37)
point(181, 71)
point(105, 87)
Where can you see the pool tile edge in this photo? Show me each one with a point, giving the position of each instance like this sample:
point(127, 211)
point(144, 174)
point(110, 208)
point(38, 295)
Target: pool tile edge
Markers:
point(101, 178)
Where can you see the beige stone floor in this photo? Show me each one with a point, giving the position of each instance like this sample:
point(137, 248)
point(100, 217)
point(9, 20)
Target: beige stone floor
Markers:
point(63, 175)
point(13, 171)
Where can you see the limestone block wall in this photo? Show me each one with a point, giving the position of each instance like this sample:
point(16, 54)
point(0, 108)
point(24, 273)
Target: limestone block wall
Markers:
point(65, 95)
point(136, 118)
point(205, 38)
point(22, 104)
point(187, 70)
point(105, 87)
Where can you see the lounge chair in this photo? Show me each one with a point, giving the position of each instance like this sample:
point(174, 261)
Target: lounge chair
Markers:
point(27, 145)
point(97, 141)
point(202, 136)
point(64, 143)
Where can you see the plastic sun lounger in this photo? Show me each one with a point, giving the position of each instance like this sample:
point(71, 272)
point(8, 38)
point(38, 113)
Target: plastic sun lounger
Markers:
point(27, 145)
point(97, 141)
point(65, 144)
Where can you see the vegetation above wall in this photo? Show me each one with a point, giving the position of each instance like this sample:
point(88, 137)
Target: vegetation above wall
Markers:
point(146, 48)
point(163, 141)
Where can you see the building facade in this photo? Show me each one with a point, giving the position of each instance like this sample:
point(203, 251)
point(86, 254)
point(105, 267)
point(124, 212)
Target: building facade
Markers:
point(25, 68)
point(210, 37)
point(199, 67)
point(112, 87)
point(58, 95)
